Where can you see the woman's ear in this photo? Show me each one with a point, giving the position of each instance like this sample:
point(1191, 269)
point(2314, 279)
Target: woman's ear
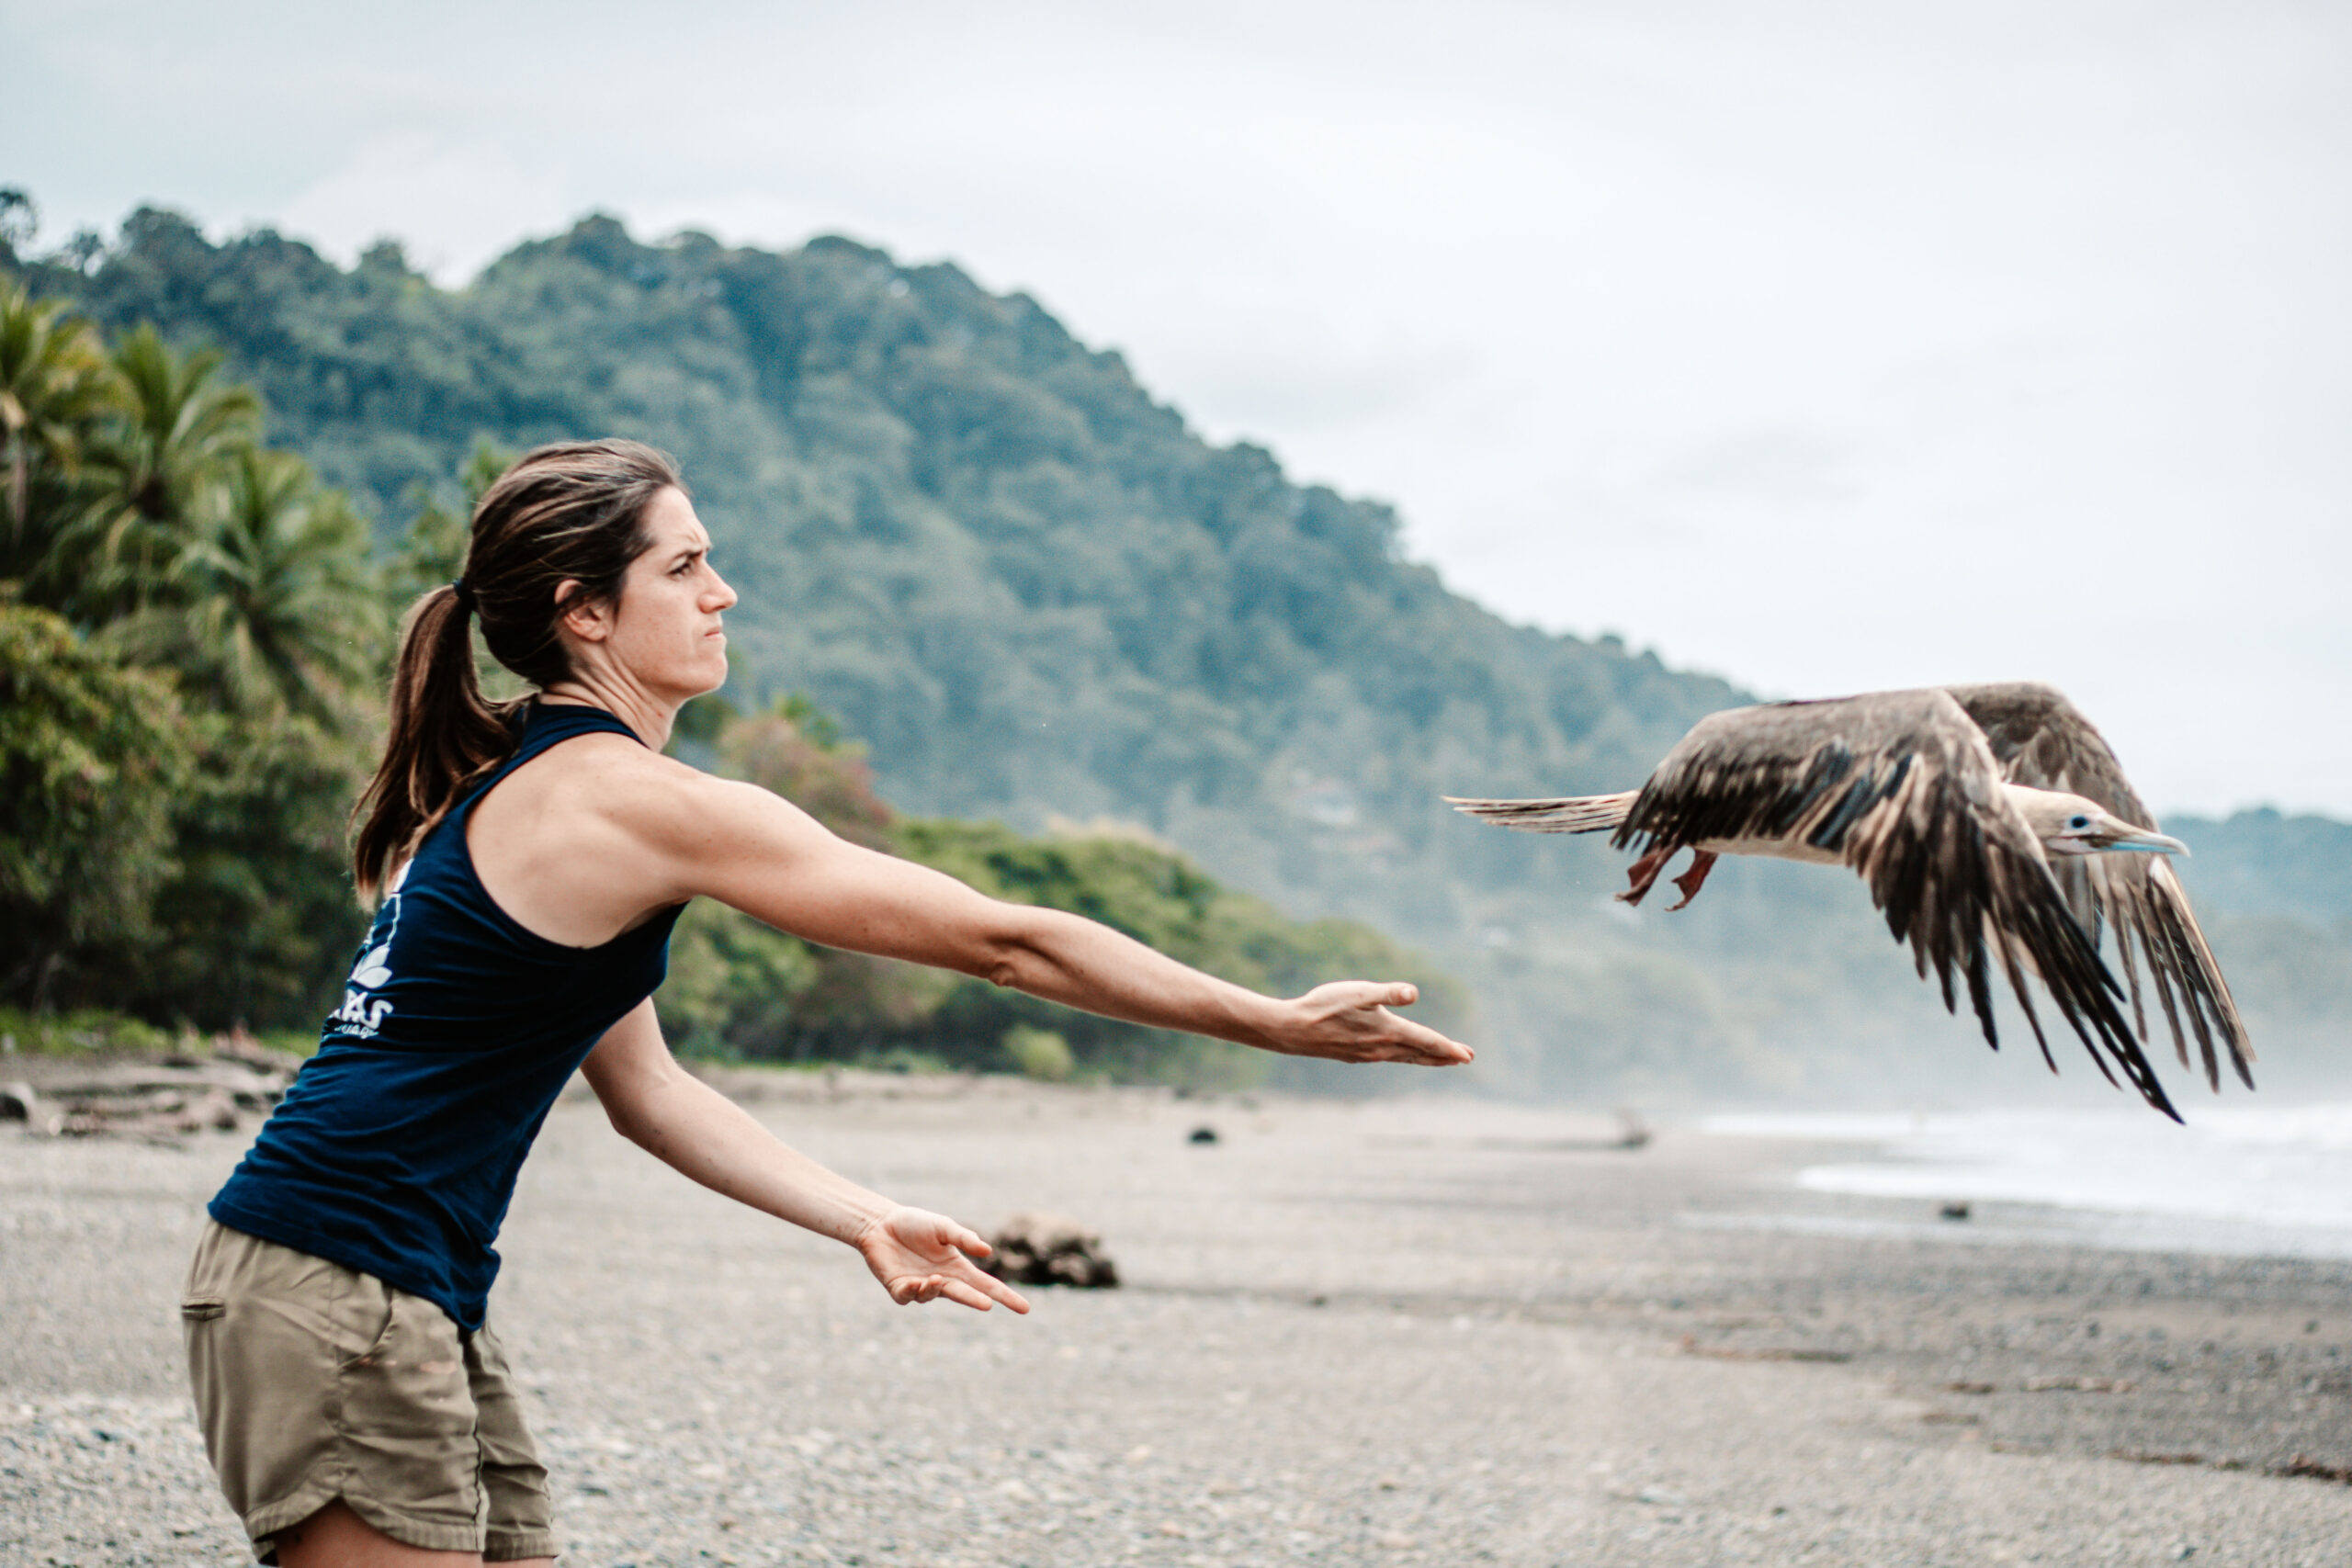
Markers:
point(585, 617)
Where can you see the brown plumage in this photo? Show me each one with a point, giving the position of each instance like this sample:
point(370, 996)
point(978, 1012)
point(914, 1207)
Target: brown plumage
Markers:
point(1991, 823)
point(2045, 742)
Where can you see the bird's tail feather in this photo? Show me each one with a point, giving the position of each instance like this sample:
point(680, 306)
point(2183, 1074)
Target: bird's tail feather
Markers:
point(1574, 813)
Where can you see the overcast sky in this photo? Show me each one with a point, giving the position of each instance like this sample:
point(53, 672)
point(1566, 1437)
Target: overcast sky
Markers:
point(1828, 347)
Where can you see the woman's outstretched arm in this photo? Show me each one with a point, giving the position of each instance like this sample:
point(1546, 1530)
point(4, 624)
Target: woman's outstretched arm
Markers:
point(705, 1136)
point(752, 849)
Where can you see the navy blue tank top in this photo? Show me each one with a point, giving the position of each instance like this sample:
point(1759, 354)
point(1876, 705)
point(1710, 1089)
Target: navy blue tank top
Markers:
point(395, 1151)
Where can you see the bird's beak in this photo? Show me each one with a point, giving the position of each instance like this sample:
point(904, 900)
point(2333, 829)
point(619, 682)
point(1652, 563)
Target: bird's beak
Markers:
point(2146, 841)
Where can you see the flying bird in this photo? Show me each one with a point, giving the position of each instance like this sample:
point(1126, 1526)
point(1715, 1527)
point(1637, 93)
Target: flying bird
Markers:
point(1993, 826)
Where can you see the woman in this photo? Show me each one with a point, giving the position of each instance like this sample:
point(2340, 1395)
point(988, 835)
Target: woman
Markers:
point(529, 862)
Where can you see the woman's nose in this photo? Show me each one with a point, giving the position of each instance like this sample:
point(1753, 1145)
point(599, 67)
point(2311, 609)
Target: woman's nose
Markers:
point(720, 597)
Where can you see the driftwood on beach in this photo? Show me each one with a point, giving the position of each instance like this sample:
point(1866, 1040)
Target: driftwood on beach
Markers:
point(157, 1100)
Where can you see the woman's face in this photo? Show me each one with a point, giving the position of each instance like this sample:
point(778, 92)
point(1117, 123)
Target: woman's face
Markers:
point(665, 632)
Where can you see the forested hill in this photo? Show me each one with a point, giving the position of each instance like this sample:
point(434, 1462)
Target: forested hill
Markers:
point(1037, 595)
point(1022, 580)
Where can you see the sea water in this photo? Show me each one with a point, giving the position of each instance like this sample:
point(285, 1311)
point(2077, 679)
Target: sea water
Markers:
point(2272, 1180)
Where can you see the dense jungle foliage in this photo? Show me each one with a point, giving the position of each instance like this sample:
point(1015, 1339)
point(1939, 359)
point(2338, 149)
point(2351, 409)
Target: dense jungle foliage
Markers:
point(1038, 598)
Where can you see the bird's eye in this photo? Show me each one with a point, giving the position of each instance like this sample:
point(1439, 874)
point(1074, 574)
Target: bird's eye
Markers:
point(2078, 822)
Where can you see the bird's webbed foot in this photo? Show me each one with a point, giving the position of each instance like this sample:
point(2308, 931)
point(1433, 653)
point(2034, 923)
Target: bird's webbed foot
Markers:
point(1642, 874)
point(1693, 877)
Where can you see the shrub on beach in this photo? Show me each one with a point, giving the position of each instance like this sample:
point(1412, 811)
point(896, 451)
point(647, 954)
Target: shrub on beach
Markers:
point(1039, 1053)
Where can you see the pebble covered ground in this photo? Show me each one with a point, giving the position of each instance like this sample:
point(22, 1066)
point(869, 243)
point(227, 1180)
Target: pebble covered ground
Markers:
point(1409, 1333)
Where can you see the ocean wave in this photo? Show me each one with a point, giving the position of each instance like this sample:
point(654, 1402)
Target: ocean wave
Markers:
point(2243, 1179)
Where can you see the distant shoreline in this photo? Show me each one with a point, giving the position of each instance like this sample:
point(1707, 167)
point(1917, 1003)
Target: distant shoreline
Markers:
point(2241, 1180)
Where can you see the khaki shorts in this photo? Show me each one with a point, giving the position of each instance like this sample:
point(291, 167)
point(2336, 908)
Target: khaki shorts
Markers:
point(314, 1382)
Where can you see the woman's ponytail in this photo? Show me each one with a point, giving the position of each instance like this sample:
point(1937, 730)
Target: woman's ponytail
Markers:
point(443, 731)
point(572, 513)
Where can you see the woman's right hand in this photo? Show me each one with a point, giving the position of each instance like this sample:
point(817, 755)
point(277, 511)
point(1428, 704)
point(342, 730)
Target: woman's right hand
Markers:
point(921, 1257)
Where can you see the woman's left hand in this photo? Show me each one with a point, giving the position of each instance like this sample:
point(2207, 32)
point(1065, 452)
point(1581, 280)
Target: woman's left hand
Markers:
point(921, 1257)
point(1349, 1021)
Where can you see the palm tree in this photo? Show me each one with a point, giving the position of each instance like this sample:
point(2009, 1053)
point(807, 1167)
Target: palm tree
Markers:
point(54, 390)
point(269, 600)
point(172, 432)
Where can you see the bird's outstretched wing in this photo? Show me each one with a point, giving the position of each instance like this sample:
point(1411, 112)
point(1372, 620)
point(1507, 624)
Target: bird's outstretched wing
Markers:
point(1902, 787)
point(2041, 740)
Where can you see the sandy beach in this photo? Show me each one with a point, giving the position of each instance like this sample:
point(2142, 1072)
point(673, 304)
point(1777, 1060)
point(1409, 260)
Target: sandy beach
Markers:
point(1410, 1332)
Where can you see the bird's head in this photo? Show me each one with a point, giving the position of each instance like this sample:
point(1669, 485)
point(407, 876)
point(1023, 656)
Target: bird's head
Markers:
point(2070, 825)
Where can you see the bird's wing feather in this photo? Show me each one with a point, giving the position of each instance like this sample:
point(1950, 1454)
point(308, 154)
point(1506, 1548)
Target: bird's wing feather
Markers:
point(1902, 787)
point(2041, 740)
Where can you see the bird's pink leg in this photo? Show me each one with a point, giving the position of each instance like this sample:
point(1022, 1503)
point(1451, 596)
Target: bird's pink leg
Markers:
point(1644, 872)
point(1693, 878)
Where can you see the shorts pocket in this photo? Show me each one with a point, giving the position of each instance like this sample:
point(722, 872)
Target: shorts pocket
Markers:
point(203, 1309)
point(366, 1314)
point(372, 1349)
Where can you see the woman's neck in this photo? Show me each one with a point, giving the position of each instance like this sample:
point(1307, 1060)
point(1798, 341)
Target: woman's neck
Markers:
point(648, 716)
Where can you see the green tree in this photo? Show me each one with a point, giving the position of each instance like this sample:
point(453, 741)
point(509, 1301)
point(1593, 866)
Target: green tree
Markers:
point(19, 219)
point(797, 752)
point(431, 550)
point(92, 757)
point(270, 599)
point(256, 922)
point(218, 578)
point(54, 388)
point(153, 459)
point(733, 984)
point(850, 1004)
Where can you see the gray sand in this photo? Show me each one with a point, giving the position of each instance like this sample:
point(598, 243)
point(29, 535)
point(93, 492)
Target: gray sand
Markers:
point(1403, 1333)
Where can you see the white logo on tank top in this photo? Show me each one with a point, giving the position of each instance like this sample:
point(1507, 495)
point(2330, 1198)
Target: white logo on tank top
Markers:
point(362, 1013)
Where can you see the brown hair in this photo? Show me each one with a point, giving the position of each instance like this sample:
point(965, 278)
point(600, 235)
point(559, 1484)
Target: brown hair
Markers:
point(573, 512)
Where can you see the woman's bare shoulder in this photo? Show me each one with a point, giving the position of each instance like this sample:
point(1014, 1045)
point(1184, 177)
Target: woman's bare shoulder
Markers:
point(663, 801)
point(609, 779)
point(619, 775)
point(578, 842)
